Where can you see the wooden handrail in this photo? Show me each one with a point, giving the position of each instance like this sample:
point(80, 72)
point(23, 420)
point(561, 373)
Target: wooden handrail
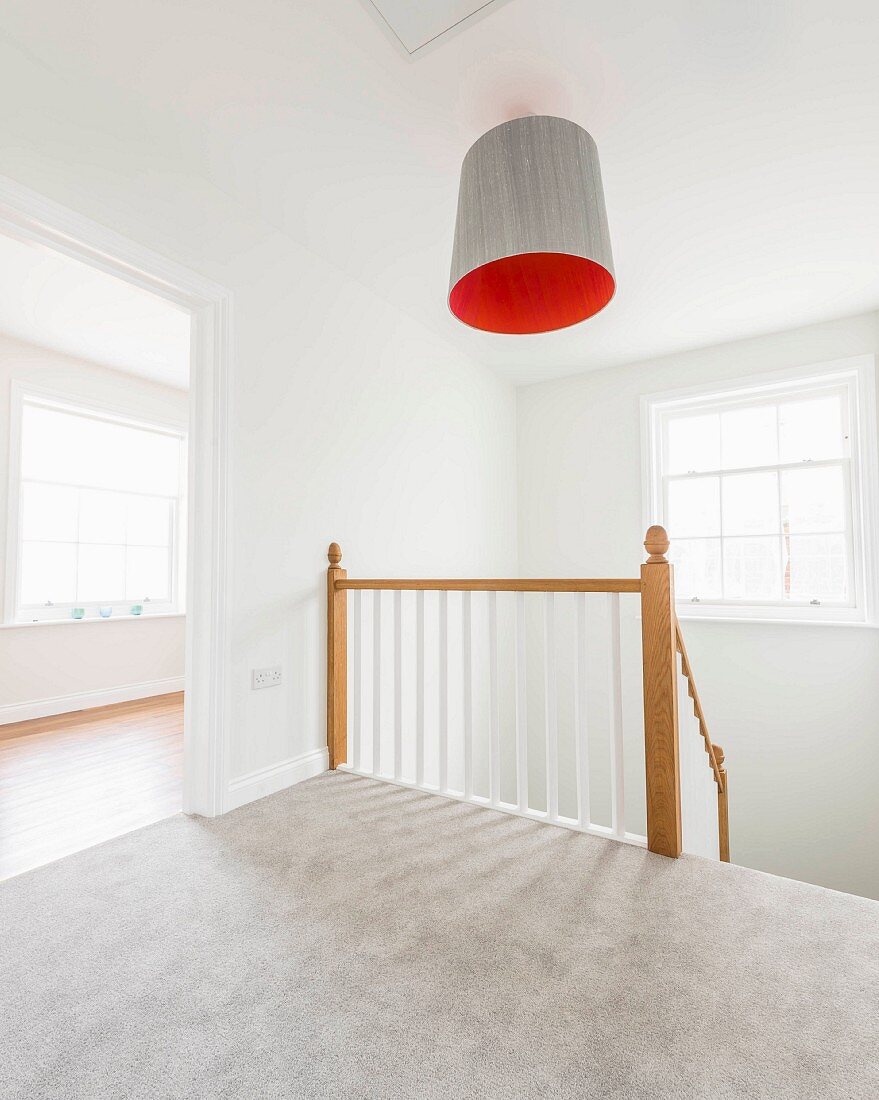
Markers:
point(697, 704)
point(538, 584)
point(715, 752)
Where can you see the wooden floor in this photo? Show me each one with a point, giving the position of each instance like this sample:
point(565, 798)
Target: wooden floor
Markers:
point(75, 780)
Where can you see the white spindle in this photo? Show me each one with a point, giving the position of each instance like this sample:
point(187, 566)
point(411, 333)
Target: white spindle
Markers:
point(398, 685)
point(467, 682)
point(376, 682)
point(551, 707)
point(582, 742)
point(356, 672)
point(618, 811)
point(419, 689)
point(443, 691)
point(521, 707)
point(494, 763)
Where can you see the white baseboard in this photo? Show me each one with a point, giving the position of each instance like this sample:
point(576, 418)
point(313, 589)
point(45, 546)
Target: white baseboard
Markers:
point(85, 700)
point(258, 784)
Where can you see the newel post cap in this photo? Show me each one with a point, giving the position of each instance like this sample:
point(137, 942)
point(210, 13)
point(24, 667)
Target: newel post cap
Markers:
point(656, 543)
point(334, 554)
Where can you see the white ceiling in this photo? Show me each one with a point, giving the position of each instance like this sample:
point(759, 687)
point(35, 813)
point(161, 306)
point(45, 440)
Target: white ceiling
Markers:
point(415, 26)
point(739, 145)
point(48, 299)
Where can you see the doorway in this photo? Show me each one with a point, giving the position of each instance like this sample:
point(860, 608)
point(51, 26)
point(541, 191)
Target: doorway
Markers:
point(124, 547)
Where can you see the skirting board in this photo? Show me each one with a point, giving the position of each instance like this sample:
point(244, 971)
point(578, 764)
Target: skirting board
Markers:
point(86, 700)
point(265, 781)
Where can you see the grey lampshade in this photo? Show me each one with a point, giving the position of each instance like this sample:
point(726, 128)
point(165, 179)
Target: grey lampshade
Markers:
point(532, 249)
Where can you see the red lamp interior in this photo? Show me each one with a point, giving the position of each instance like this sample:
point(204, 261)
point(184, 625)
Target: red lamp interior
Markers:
point(532, 292)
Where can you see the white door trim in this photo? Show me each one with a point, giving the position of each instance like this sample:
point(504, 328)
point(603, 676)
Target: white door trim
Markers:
point(30, 216)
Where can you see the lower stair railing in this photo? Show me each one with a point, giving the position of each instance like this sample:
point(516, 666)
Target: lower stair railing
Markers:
point(715, 752)
point(417, 694)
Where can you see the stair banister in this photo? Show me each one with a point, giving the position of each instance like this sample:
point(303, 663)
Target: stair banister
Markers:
point(715, 752)
point(661, 643)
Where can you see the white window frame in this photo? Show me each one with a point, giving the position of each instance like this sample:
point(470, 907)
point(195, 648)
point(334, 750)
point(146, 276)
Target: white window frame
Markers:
point(857, 376)
point(14, 612)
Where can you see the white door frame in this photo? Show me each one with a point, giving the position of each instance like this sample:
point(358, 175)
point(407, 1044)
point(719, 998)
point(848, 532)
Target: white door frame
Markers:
point(28, 215)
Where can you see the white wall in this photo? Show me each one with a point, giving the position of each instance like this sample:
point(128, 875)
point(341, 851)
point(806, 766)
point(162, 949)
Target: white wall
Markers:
point(44, 662)
point(795, 707)
point(348, 420)
point(356, 425)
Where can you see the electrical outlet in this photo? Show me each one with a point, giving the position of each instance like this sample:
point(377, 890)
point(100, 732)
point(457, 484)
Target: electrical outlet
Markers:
point(265, 677)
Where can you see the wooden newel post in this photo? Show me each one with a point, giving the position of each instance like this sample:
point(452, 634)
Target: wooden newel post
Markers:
point(658, 621)
point(722, 805)
point(337, 660)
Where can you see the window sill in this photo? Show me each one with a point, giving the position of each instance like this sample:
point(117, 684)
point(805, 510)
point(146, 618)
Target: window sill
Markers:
point(751, 620)
point(95, 619)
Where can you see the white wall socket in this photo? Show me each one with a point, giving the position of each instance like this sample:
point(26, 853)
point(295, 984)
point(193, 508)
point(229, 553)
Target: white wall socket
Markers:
point(265, 677)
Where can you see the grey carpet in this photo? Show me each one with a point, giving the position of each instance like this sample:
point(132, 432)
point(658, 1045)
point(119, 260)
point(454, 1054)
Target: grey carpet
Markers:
point(350, 939)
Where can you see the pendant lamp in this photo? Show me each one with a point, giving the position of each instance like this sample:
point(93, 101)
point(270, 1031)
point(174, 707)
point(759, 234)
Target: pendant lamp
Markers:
point(532, 249)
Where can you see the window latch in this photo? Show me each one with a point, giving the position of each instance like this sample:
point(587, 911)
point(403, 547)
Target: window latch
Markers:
point(815, 603)
point(695, 599)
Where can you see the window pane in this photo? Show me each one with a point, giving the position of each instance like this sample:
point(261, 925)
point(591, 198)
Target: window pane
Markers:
point(752, 568)
point(101, 574)
point(814, 499)
point(818, 567)
point(149, 521)
point(693, 443)
point(697, 568)
point(48, 512)
point(749, 437)
point(43, 437)
point(48, 572)
point(83, 450)
point(750, 504)
point(148, 462)
point(101, 516)
point(811, 429)
point(147, 574)
point(694, 507)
